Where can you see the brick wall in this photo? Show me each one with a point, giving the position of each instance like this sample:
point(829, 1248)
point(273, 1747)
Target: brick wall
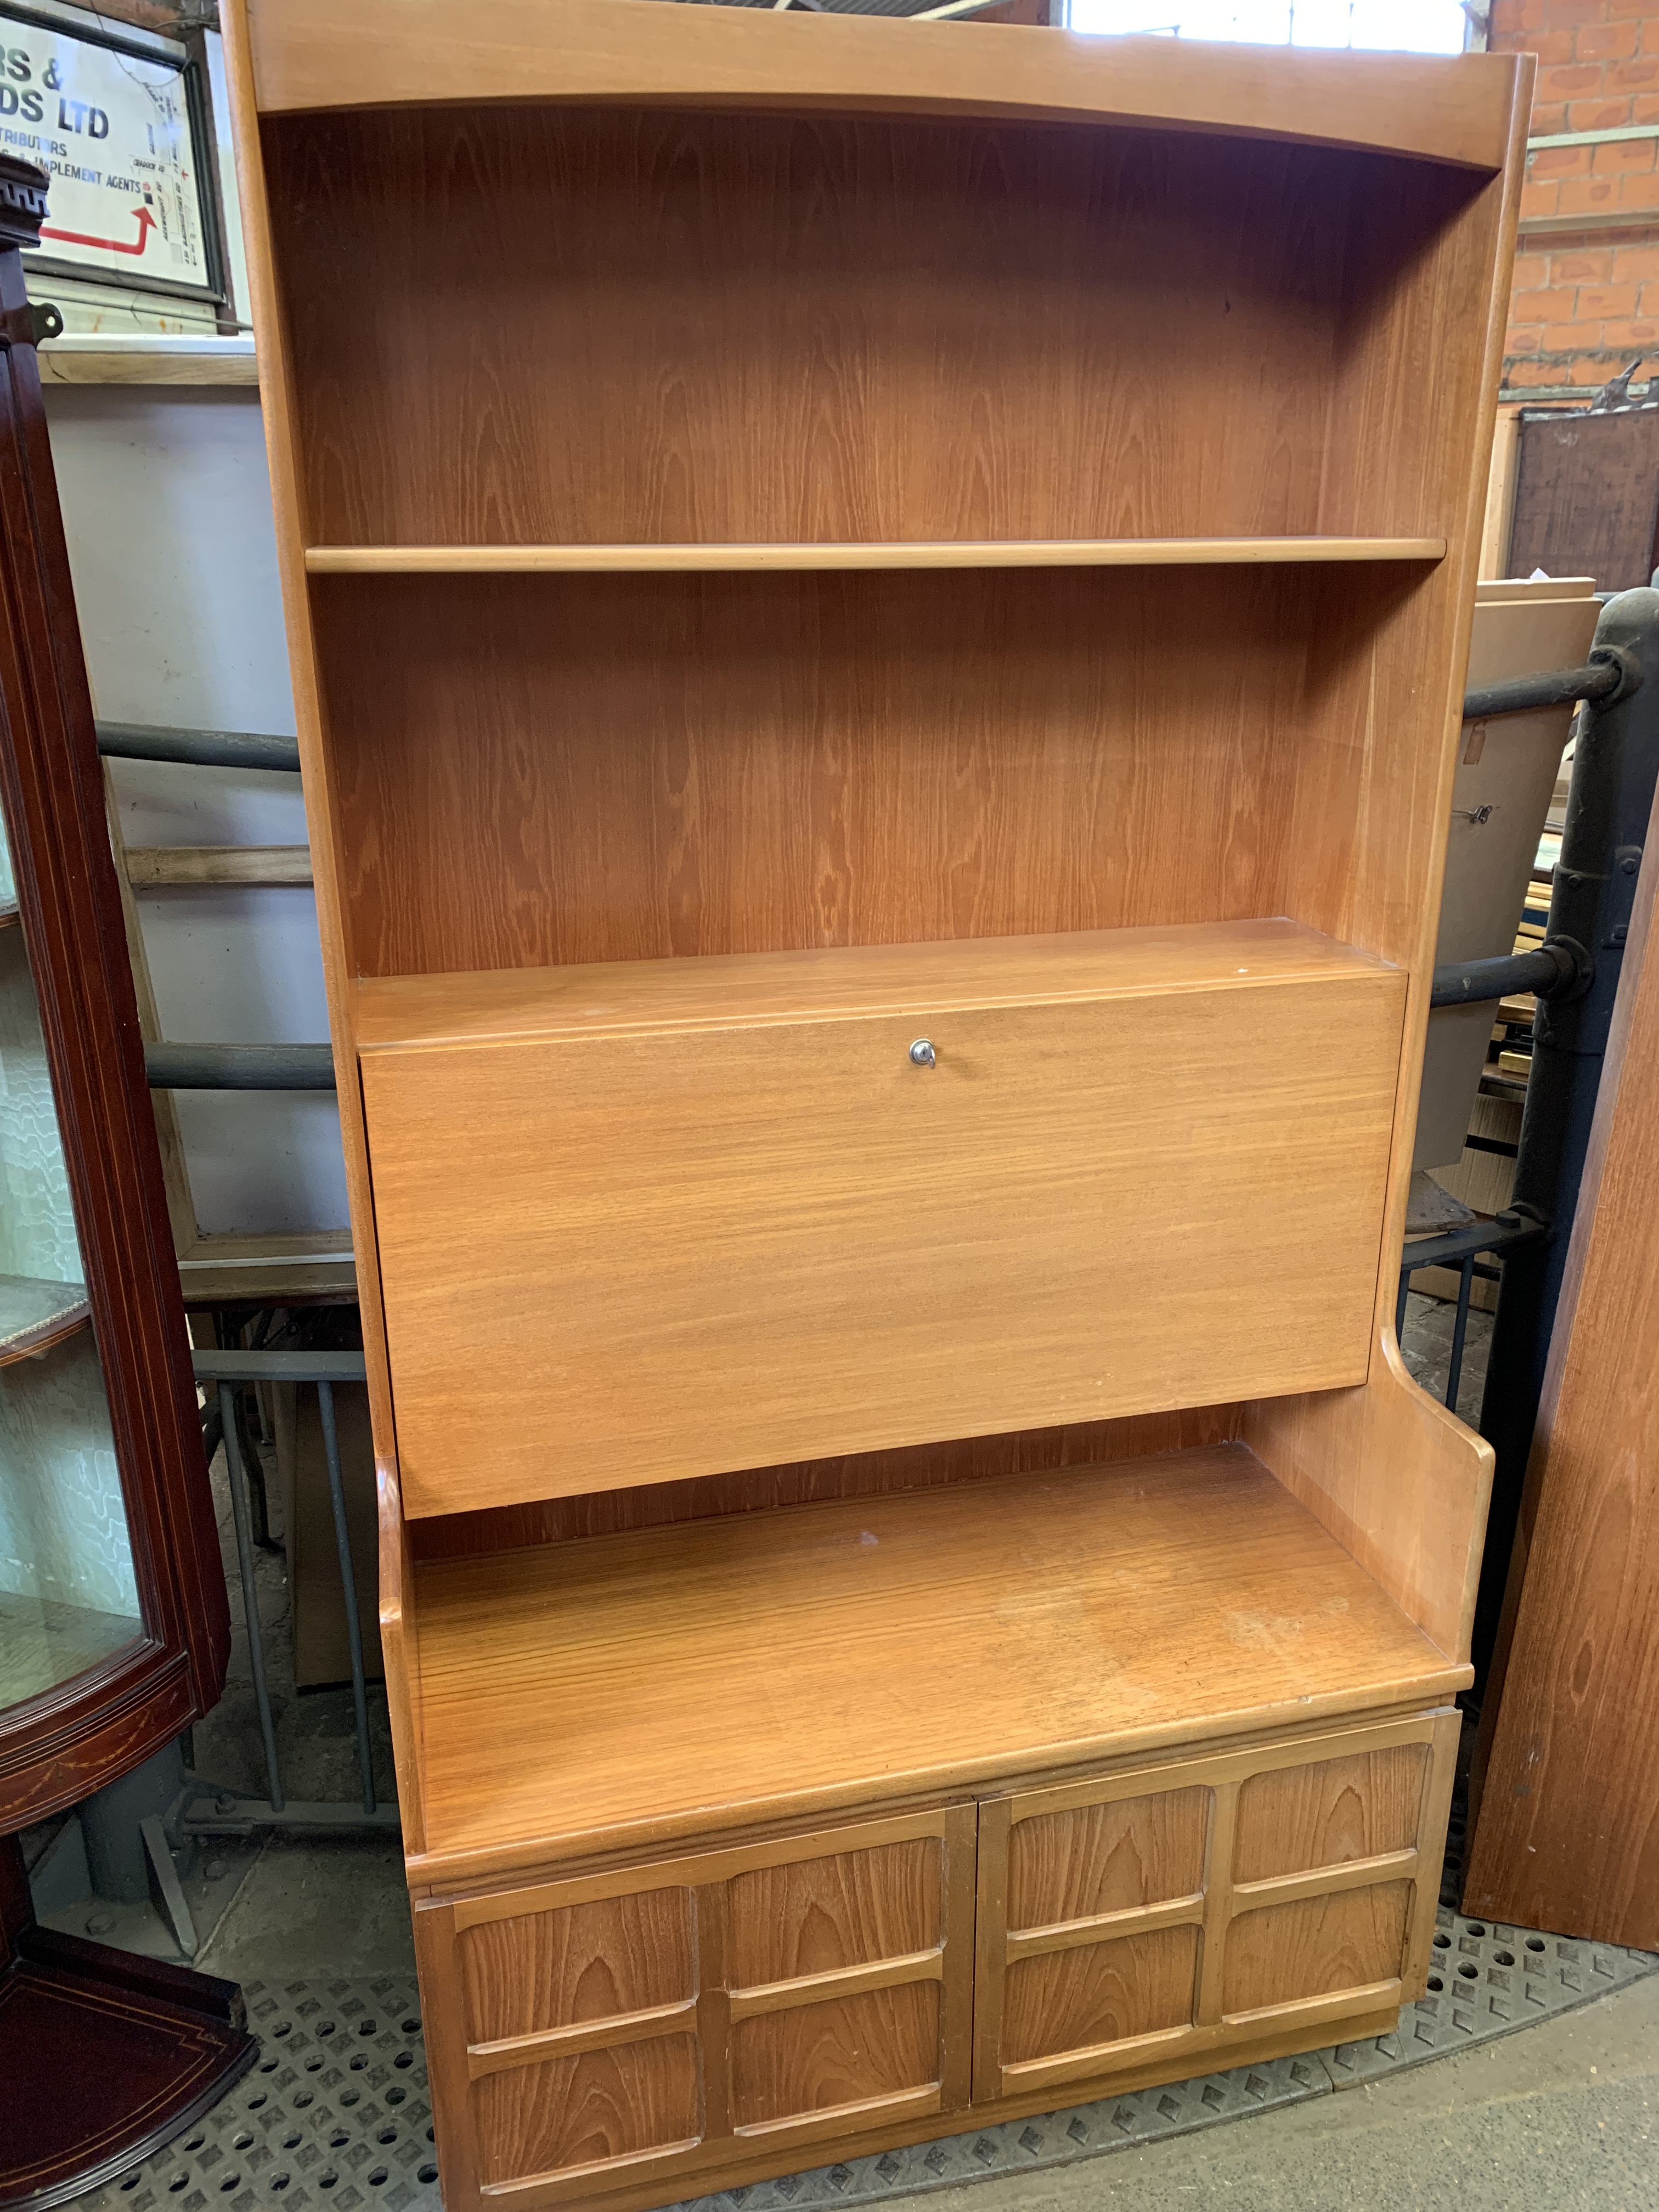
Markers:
point(1586, 299)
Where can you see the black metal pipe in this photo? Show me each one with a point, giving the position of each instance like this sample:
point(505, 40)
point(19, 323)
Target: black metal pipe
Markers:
point(198, 748)
point(1615, 772)
point(1559, 969)
point(1599, 681)
point(1460, 1330)
point(240, 1067)
point(1503, 1235)
point(213, 1364)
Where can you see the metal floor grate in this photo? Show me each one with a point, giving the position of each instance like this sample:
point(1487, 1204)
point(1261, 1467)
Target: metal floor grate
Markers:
point(335, 2113)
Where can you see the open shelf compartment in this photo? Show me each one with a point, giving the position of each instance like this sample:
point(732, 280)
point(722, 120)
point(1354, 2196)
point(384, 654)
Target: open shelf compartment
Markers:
point(691, 1679)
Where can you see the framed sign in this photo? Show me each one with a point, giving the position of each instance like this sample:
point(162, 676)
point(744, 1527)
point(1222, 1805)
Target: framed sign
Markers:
point(116, 117)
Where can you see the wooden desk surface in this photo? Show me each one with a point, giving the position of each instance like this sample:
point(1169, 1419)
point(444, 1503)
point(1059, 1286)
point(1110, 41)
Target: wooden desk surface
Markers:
point(679, 1680)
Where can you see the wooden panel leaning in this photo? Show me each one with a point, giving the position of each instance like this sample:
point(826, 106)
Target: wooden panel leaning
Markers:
point(803, 538)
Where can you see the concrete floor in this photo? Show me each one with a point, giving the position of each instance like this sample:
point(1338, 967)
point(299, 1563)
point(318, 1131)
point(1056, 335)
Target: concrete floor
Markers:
point(1425, 1345)
point(315, 1906)
point(1558, 2118)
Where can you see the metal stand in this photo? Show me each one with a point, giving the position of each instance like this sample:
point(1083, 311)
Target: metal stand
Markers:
point(217, 1811)
point(1575, 977)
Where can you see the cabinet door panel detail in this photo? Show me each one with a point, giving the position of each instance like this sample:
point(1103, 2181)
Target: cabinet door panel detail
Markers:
point(577, 2113)
point(1106, 1858)
point(612, 1957)
point(1325, 1815)
point(814, 1916)
point(651, 2014)
point(1189, 1904)
point(1098, 1994)
point(826, 2057)
point(1314, 1946)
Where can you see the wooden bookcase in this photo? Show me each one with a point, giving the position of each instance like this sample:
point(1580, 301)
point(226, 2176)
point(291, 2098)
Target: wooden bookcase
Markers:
point(912, 1578)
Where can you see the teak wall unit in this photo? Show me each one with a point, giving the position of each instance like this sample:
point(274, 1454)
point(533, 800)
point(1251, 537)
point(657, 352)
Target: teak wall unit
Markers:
point(807, 538)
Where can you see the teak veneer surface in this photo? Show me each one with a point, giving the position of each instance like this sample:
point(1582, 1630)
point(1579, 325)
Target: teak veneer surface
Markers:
point(611, 999)
point(310, 54)
point(679, 1681)
point(537, 771)
point(745, 1226)
point(690, 329)
point(915, 553)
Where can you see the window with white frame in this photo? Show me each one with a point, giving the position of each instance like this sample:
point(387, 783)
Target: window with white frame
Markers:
point(1419, 27)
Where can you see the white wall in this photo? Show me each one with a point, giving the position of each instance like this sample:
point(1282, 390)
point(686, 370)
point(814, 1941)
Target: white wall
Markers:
point(166, 505)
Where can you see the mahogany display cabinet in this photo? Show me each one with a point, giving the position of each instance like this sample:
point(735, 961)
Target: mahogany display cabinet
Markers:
point(877, 614)
point(114, 1627)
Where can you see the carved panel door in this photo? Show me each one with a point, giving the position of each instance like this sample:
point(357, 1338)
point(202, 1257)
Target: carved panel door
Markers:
point(1127, 1921)
point(614, 2028)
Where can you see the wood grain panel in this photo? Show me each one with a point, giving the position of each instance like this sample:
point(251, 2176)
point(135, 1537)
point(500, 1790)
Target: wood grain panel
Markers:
point(817, 2058)
point(1106, 1858)
point(1098, 1993)
point(542, 1970)
point(416, 1014)
point(859, 1474)
point(914, 553)
point(1319, 1945)
point(764, 1665)
point(814, 1915)
point(1393, 1475)
point(903, 1252)
point(581, 2111)
point(686, 328)
point(399, 1630)
point(308, 55)
point(537, 771)
point(1566, 1833)
point(1318, 1816)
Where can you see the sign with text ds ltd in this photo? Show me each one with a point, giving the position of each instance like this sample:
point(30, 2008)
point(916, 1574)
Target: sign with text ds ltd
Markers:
point(110, 124)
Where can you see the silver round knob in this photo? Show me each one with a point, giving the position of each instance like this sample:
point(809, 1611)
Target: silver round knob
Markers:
point(922, 1053)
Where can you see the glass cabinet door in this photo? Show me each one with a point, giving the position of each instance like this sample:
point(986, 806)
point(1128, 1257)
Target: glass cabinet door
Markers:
point(67, 1595)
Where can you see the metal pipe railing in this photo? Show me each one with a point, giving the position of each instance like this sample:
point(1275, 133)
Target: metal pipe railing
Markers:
point(1560, 969)
point(220, 1370)
point(1461, 1249)
point(196, 748)
point(1602, 679)
point(240, 1067)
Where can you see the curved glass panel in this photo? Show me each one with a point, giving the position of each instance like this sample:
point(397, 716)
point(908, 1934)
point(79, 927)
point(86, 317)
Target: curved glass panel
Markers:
point(68, 1597)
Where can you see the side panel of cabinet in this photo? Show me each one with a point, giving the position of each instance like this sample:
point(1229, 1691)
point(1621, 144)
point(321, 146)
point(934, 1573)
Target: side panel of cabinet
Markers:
point(614, 2030)
point(1168, 1912)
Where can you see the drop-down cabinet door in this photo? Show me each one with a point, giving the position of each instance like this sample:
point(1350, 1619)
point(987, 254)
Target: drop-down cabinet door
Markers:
point(705, 1215)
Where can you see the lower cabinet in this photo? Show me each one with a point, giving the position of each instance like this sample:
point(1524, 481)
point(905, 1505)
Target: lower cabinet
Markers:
point(1156, 1917)
point(636, 2032)
point(601, 2032)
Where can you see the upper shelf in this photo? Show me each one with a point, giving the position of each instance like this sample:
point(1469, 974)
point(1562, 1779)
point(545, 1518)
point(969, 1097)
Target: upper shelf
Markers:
point(311, 54)
point(965, 553)
point(396, 1014)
